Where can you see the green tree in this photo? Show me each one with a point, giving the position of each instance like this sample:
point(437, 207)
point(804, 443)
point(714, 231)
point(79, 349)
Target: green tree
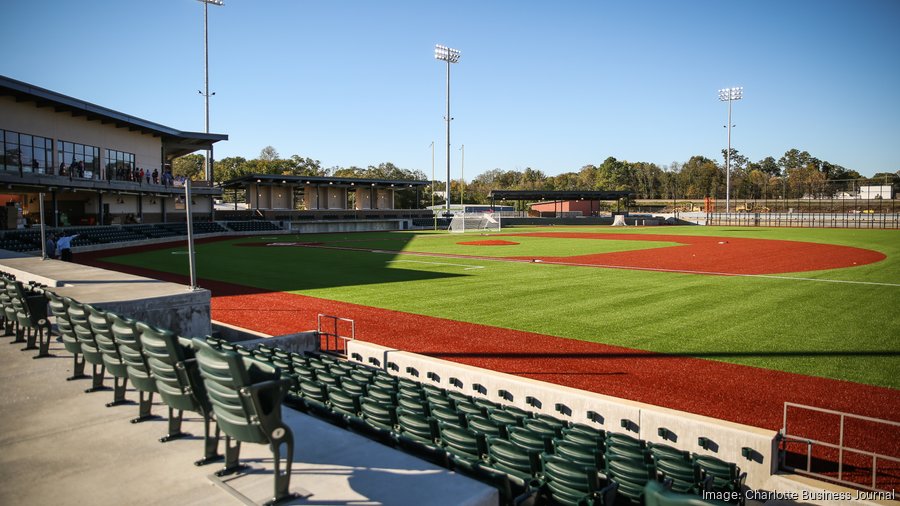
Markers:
point(190, 166)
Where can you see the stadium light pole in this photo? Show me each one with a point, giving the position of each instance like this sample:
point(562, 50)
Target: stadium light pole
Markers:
point(206, 94)
point(448, 55)
point(462, 178)
point(729, 95)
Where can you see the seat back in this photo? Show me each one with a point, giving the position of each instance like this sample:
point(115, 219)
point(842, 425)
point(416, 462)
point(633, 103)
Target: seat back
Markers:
point(106, 341)
point(656, 494)
point(568, 482)
point(128, 340)
point(78, 317)
point(245, 394)
point(511, 459)
point(60, 310)
point(178, 383)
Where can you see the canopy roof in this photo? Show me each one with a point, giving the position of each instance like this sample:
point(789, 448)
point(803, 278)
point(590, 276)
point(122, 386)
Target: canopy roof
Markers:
point(277, 179)
point(175, 142)
point(558, 194)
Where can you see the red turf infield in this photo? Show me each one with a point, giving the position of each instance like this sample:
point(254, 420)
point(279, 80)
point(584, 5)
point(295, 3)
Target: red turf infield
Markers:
point(717, 255)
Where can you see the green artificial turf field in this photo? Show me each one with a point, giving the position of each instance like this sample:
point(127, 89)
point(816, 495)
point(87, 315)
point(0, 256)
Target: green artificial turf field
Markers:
point(845, 330)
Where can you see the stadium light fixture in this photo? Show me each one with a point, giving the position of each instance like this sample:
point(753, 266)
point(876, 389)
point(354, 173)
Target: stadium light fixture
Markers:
point(206, 94)
point(729, 95)
point(448, 55)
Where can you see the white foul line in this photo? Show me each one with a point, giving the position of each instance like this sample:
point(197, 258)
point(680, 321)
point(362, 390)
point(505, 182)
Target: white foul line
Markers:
point(467, 267)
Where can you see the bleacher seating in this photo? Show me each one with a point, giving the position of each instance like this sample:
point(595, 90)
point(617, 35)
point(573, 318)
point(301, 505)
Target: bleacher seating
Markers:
point(252, 226)
point(525, 455)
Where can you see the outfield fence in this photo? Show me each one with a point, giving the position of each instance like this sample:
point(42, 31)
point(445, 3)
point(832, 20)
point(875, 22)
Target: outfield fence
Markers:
point(806, 220)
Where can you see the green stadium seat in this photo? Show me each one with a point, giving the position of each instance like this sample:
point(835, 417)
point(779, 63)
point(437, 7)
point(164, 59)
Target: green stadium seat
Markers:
point(720, 476)
point(30, 308)
point(246, 396)
point(568, 483)
point(661, 451)
point(171, 360)
point(377, 420)
point(656, 494)
point(78, 317)
point(531, 440)
point(579, 453)
point(343, 403)
point(681, 474)
point(543, 426)
point(128, 339)
point(446, 415)
point(631, 475)
point(313, 397)
point(59, 310)
point(522, 466)
point(466, 447)
point(418, 434)
point(485, 426)
point(101, 327)
point(504, 417)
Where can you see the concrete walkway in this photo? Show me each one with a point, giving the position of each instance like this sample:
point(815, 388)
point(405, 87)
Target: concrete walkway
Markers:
point(59, 445)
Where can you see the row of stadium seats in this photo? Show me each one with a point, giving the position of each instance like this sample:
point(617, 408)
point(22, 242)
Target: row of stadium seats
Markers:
point(30, 240)
point(525, 455)
point(521, 453)
point(187, 374)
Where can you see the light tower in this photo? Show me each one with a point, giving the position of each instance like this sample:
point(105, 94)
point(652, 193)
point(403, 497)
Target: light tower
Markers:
point(448, 55)
point(729, 95)
point(206, 94)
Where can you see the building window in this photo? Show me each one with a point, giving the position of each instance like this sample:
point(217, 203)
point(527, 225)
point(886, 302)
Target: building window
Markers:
point(26, 153)
point(78, 160)
point(120, 166)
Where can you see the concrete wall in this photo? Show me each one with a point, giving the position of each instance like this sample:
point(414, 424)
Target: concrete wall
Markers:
point(25, 118)
point(682, 430)
point(304, 227)
point(165, 305)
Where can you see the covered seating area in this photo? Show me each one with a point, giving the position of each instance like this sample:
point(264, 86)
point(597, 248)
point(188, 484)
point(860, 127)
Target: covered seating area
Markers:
point(562, 201)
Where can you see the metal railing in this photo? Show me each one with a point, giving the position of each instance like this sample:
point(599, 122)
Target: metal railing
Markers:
point(332, 341)
point(842, 449)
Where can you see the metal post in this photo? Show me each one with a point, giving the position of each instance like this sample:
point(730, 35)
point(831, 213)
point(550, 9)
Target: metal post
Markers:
point(206, 94)
point(447, 186)
point(43, 227)
point(190, 231)
point(729, 95)
point(462, 178)
point(448, 55)
point(432, 186)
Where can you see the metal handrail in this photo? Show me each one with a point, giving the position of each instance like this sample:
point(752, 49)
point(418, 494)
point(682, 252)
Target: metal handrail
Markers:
point(340, 341)
point(840, 447)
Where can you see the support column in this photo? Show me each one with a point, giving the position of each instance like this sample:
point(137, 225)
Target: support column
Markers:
point(140, 199)
point(99, 208)
point(55, 208)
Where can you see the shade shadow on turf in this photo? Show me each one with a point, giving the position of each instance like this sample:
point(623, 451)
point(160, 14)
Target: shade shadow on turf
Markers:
point(318, 269)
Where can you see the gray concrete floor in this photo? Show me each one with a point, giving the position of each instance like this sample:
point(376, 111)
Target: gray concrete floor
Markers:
point(59, 445)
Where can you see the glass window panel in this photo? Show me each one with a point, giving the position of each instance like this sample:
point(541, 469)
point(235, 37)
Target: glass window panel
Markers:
point(12, 137)
point(25, 140)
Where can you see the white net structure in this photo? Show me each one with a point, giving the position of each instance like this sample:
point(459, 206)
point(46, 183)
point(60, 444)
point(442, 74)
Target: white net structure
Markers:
point(619, 221)
point(475, 222)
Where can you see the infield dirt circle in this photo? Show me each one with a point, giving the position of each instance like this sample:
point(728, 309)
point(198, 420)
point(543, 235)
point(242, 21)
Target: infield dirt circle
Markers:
point(715, 255)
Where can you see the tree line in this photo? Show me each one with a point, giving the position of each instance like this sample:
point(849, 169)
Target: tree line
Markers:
point(795, 174)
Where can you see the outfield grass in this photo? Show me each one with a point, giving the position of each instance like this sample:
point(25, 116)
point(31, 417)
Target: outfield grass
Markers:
point(837, 330)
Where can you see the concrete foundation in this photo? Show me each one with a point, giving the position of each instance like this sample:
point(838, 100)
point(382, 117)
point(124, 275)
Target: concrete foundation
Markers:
point(166, 305)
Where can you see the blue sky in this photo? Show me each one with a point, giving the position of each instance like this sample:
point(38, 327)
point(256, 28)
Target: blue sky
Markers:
point(547, 85)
